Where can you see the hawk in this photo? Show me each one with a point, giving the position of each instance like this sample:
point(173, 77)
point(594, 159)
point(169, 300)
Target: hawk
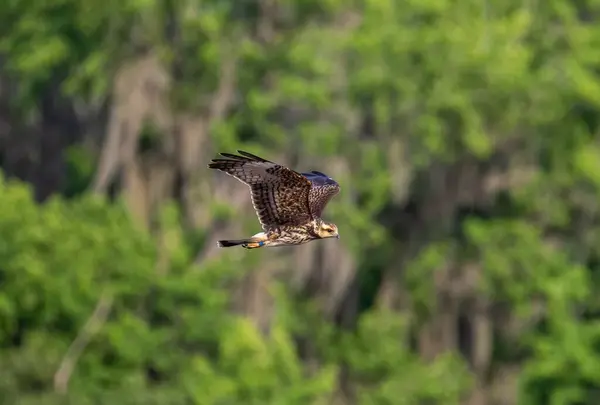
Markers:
point(288, 204)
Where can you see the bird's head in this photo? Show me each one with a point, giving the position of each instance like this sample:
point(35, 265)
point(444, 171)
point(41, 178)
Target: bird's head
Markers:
point(327, 230)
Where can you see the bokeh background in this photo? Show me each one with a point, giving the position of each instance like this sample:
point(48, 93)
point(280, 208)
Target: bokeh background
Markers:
point(464, 134)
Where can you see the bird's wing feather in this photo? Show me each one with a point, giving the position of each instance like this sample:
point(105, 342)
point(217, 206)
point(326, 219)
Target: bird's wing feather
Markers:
point(323, 189)
point(280, 195)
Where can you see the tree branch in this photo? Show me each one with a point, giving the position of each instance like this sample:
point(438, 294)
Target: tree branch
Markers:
point(91, 327)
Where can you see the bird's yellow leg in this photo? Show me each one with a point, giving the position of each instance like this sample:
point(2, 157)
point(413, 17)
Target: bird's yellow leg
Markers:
point(257, 241)
point(253, 245)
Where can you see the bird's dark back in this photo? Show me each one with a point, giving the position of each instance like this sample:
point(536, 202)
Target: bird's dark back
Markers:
point(319, 179)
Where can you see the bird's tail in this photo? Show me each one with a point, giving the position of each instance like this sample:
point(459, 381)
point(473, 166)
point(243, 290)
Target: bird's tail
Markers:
point(246, 243)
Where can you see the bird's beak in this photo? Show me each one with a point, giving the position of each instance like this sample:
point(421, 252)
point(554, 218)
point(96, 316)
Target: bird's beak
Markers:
point(337, 236)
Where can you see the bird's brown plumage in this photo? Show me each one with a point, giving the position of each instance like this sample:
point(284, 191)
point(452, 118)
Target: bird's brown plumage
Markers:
point(281, 196)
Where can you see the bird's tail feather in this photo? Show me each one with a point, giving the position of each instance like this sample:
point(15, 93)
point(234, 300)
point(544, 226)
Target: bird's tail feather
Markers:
point(232, 242)
point(246, 243)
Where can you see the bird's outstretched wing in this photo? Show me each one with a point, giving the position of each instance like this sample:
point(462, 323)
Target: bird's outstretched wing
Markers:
point(323, 189)
point(280, 195)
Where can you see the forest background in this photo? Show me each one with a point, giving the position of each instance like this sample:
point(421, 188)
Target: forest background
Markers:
point(465, 136)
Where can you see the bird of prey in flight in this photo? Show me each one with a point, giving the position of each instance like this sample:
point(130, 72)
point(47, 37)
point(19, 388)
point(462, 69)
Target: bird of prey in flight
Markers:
point(289, 204)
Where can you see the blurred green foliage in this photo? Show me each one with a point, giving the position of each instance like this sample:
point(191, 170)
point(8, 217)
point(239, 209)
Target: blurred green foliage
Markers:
point(169, 338)
point(451, 80)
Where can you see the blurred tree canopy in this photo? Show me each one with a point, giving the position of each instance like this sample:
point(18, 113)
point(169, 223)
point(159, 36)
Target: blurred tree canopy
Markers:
point(465, 136)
